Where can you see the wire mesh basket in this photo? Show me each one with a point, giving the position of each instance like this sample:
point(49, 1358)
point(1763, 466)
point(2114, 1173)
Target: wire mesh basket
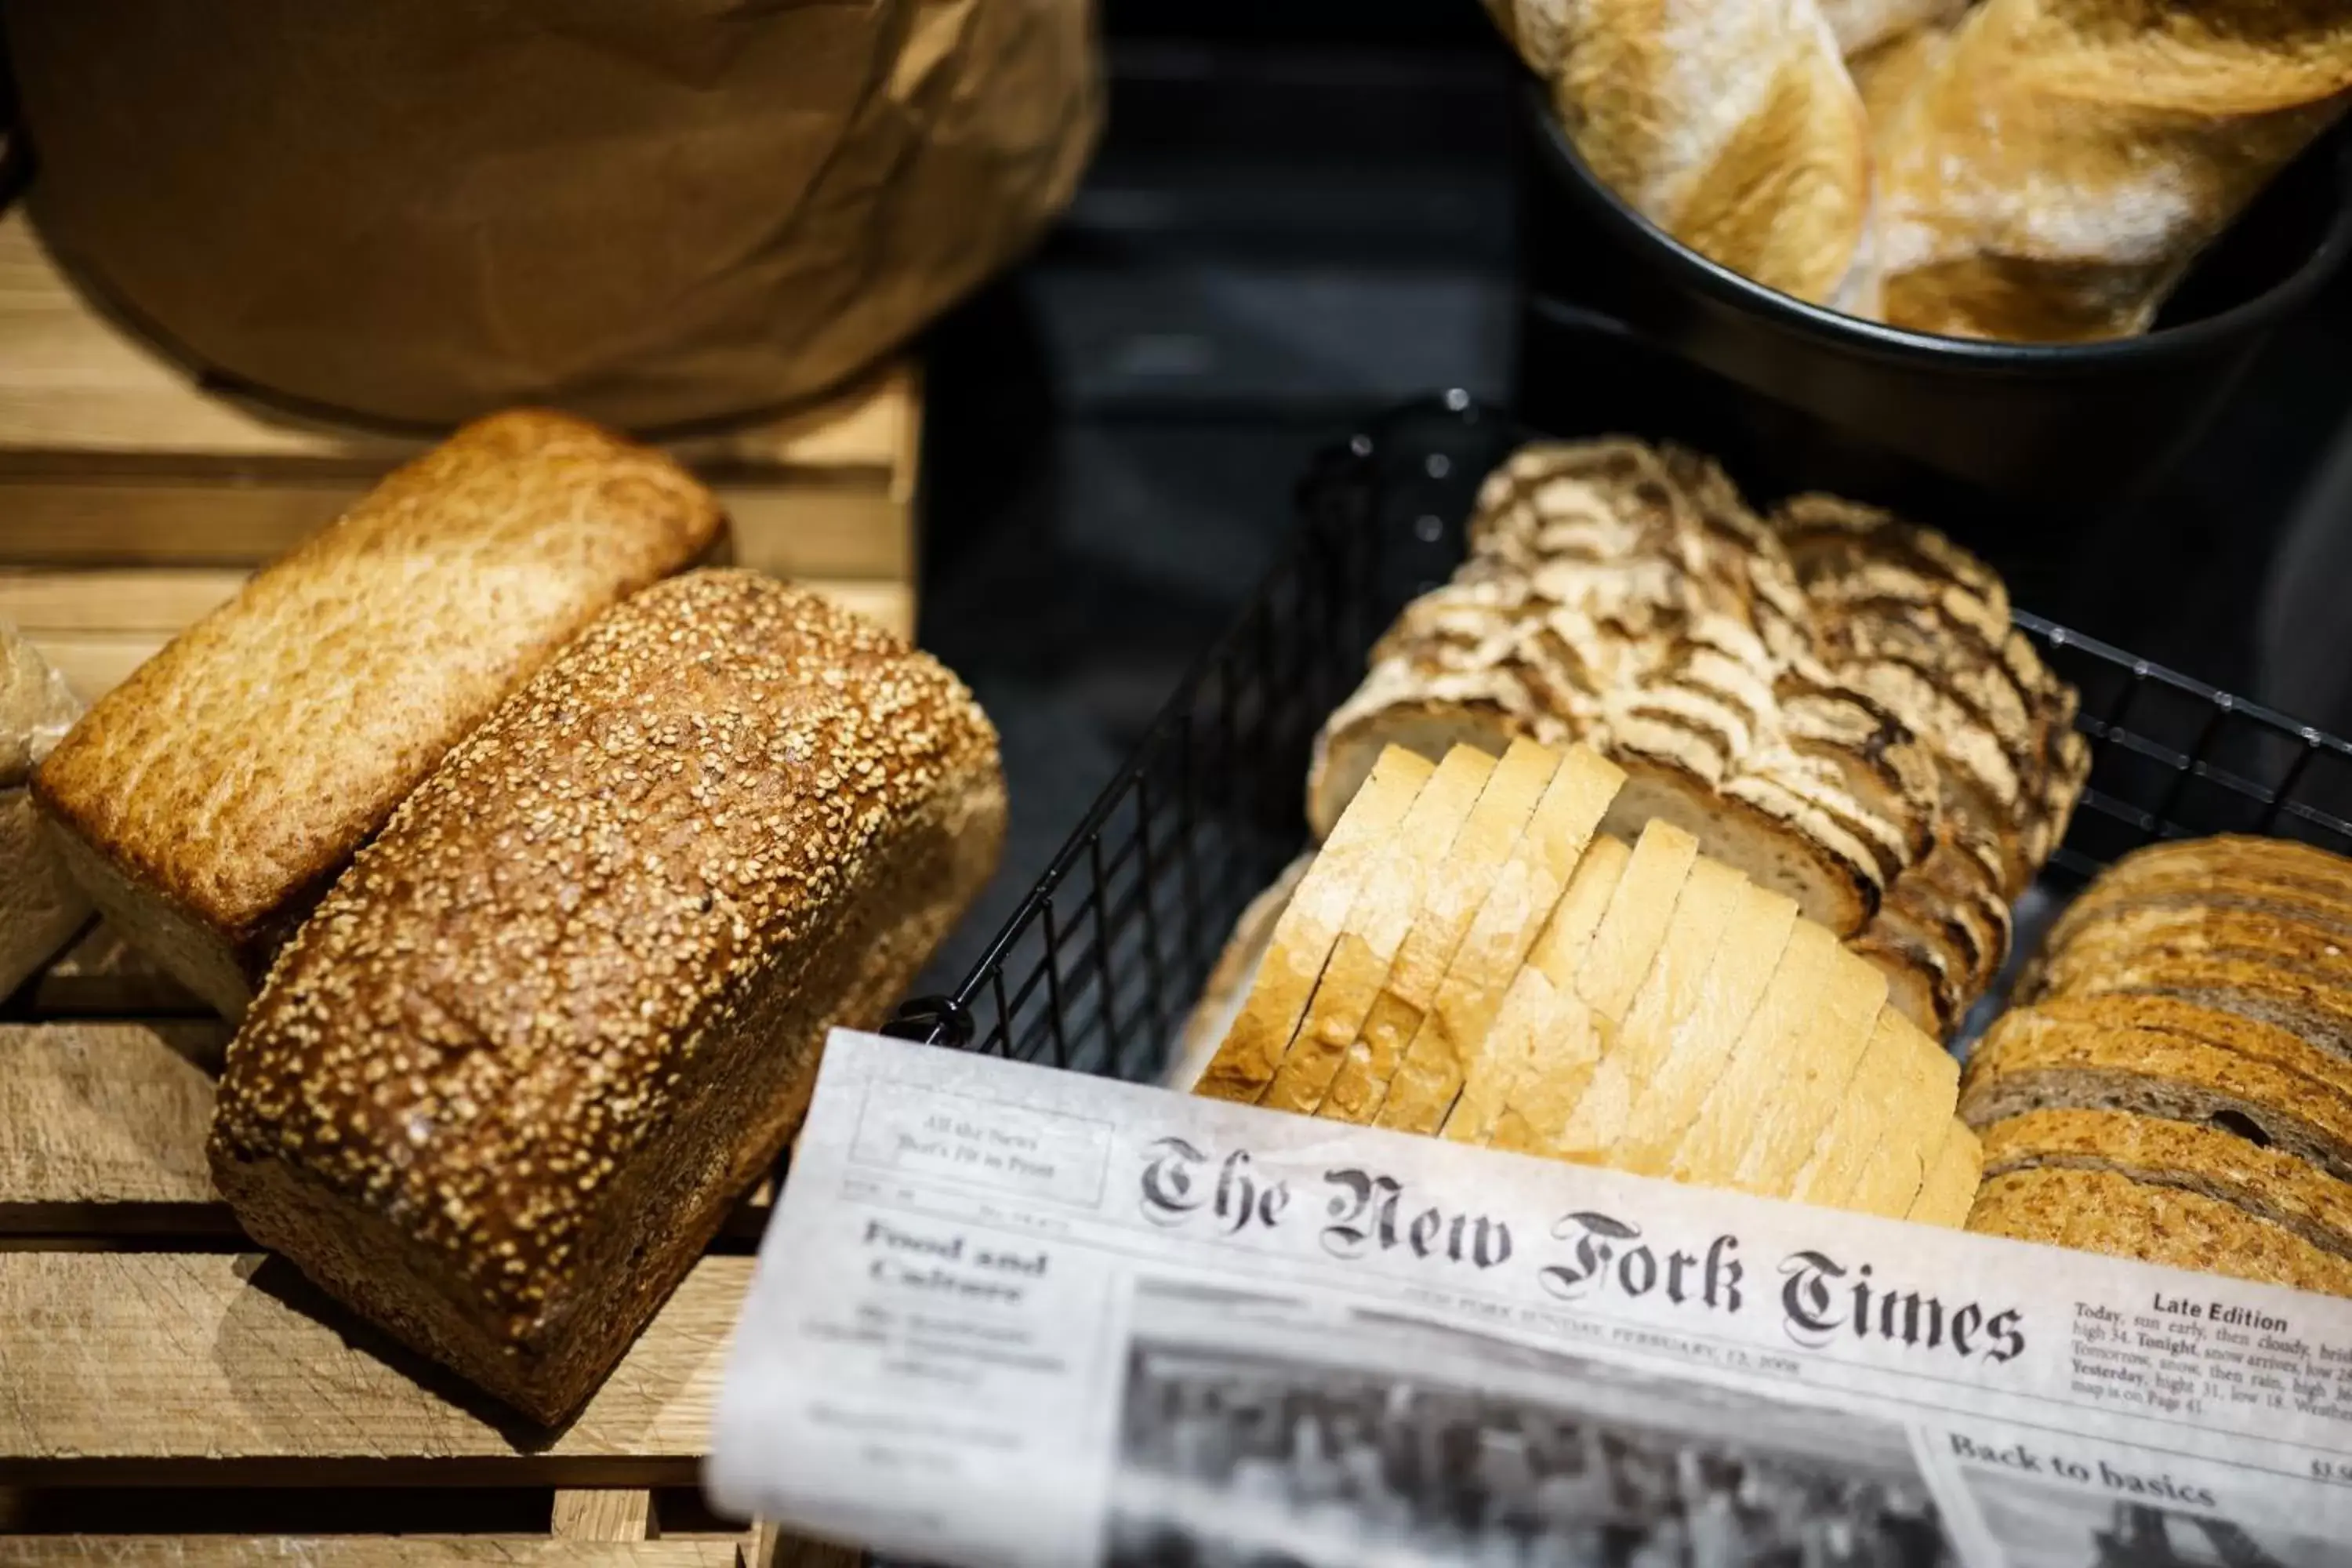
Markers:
point(1098, 967)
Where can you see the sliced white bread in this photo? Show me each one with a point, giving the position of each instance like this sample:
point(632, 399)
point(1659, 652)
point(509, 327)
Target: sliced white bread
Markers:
point(1810, 1088)
point(2270, 1186)
point(2106, 1211)
point(1955, 1172)
point(1309, 926)
point(1898, 1164)
point(1516, 913)
point(1634, 926)
point(1746, 1087)
point(1711, 898)
point(1230, 980)
point(1543, 1019)
point(1456, 890)
point(1385, 904)
point(1755, 942)
point(1873, 1111)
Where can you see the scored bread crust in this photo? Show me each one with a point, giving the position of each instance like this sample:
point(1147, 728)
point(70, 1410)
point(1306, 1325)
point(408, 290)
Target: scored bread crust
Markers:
point(2106, 1211)
point(1376, 1057)
point(1710, 899)
point(1754, 943)
point(1244, 1064)
point(1517, 914)
point(2291, 1101)
point(1233, 975)
point(1383, 912)
point(1812, 1084)
point(210, 799)
point(1543, 1022)
point(1955, 1173)
point(2266, 1183)
point(499, 1092)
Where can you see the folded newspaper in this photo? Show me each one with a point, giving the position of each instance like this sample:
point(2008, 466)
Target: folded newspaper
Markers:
point(1010, 1315)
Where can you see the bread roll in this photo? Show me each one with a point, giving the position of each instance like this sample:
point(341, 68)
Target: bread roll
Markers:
point(40, 906)
point(210, 799)
point(502, 1086)
point(1731, 124)
point(2050, 176)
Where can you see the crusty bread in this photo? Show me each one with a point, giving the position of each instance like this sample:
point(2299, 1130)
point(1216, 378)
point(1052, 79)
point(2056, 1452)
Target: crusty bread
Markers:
point(2106, 1211)
point(41, 906)
point(208, 800)
point(1511, 906)
point(1309, 924)
point(1543, 1022)
point(2124, 933)
point(1954, 1173)
point(1755, 942)
point(1711, 898)
point(2160, 122)
point(1377, 1056)
point(1425, 714)
point(1376, 924)
point(499, 1093)
point(1233, 976)
point(2291, 1101)
point(2216, 1164)
point(1517, 911)
point(2315, 1008)
point(1810, 1090)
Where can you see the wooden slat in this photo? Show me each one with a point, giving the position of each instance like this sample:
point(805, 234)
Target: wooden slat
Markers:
point(603, 1513)
point(114, 599)
point(95, 662)
point(357, 1552)
point(102, 975)
point(163, 1368)
point(102, 1127)
point(74, 382)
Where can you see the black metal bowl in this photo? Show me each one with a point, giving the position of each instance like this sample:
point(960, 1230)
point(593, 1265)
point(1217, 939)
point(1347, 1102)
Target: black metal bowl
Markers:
point(2060, 425)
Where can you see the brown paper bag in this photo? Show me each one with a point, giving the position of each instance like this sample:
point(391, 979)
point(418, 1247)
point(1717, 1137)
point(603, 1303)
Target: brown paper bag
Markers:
point(651, 212)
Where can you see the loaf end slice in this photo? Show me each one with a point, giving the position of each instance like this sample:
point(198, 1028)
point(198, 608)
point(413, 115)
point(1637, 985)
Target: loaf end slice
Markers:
point(214, 795)
point(501, 1091)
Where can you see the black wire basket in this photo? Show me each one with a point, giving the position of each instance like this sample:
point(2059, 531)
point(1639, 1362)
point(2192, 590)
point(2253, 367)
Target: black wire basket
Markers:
point(1098, 968)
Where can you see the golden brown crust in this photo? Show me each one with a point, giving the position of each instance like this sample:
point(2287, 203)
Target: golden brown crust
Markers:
point(570, 999)
point(232, 775)
point(2105, 1211)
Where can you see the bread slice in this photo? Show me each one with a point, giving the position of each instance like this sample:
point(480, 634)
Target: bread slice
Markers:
point(1543, 1020)
point(2031, 1062)
point(1244, 1064)
point(2179, 1015)
point(1810, 1087)
point(1519, 897)
point(1872, 1111)
point(2266, 1183)
point(1897, 1164)
point(2320, 1011)
point(210, 800)
point(1710, 898)
point(1516, 915)
point(1920, 983)
point(1747, 1085)
point(2127, 933)
point(1755, 942)
point(2106, 1211)
point(2282, 862)
point(1233, 977)
point(1955, 1172)
point(2175, 912)
point(1383, 909)
point(1635, 924)
point(1452, 902)
point(1427, 715)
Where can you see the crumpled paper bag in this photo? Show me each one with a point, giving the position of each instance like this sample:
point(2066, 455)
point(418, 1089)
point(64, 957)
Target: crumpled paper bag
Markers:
point(650, 212)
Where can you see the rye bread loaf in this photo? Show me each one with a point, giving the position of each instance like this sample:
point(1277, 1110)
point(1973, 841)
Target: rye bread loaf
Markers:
point(500, 1090)
point(210, 799)
point(2106, 1211)
point(40, 905)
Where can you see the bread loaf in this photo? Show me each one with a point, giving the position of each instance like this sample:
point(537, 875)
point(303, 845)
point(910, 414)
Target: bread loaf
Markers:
point(40, 905)
point(501, 1088)
point(209, 800)
point(2053, 173)
point(2106, 1211)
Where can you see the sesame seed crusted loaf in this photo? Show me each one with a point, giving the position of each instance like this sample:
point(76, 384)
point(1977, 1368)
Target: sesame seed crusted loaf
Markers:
point(212, 797)
point(500, 1088)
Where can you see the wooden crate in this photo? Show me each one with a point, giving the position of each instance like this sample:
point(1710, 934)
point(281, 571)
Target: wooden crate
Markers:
point(134, 498)
point(167, 1393)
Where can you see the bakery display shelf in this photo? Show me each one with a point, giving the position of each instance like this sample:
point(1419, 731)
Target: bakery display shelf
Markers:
point(1099, 965)
point(173, 1396)
point(134, 497)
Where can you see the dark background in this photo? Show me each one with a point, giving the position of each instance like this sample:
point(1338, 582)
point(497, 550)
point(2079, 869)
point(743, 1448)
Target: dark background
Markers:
point(1301, 214)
